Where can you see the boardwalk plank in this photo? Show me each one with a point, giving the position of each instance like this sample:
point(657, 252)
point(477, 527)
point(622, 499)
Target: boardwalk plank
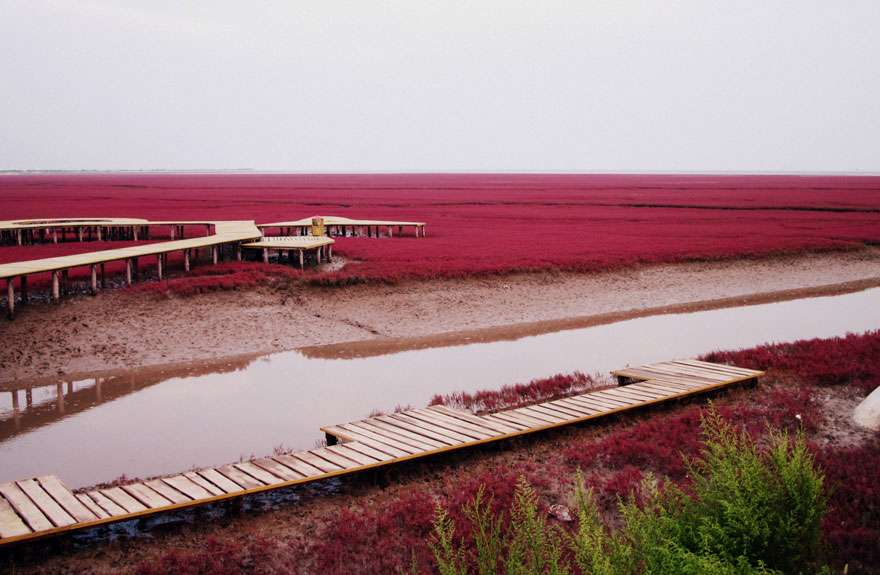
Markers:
point(65, 498)
point(201, 482)
point(259, 473)
point(92, 506)
point(123, 499)
point(421, 439)
point(187, 487)
point(352, 454)
point(22, 504)
point(168, 492)
point(239, 477)
point(480, 427)
point(425, 431)
point(361, 434)
point(315, 461)
point(366, 450)
point(453, 424)
point(111, 507)
point(11, 524)
point(50, 508)
point(475, 419)
point(427, 425)
point(418, 443)
point(147, 496)
point(282, 471)
point(335, 458)
point(299, 466)
point(220, 480)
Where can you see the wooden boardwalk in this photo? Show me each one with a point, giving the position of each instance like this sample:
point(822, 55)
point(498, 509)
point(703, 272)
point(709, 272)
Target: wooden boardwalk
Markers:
point(225, 233)
point(321, 246)
point(338, 225)
point(43, 506)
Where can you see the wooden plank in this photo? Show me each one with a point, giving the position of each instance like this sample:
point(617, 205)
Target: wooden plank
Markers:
point(384, 448)
point(355, 456)
point(360, 434)
point(425, 431)
point(654, 371)
point(639, 396)
point(147, 496)
point(500, 427)
point(687, 371)
point(514, 424)
point(609, 397)
point(541, 414)
point(745, 372)
point(379, 424)
point(220, 480)
point(93, 507)
point(422, 424)
point(168, 492)
point(107, 504)
point(454, 424)
point(678, 381)
point(50, 508)
point(366, 450)
point(201, 482)
point(522, 418)
point(666, 389)
point(238, 476)
point(628, 398)
point(187, 487)
point(11, 524)
point(316, 461)
point(258, 473)
point(298, 465)
point(592, 400)
point(124, 500)
point(445, 424)
point(282, 471)
point(334, 458)
point(563, 411)
point(478, 427)
point(420, 445)
point(65, 498)
point(730, 373)
point(571, 406)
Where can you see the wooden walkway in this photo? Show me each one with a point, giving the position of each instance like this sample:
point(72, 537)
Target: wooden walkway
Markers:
point(321, 246)
point(340, 226)
point(43, 506)
point(225, 232)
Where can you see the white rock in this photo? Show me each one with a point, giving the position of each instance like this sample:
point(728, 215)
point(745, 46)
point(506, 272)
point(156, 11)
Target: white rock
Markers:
point(867, 414)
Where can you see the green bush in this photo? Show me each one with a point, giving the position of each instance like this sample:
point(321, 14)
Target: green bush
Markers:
point(748, 510)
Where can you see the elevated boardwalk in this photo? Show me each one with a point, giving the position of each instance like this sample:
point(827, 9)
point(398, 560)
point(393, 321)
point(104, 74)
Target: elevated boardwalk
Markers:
point(340, 226)
point(320, 246)
point(225, 233)
point(43, 506)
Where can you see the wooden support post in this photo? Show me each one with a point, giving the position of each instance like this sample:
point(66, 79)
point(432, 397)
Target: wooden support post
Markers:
point(94, 273)
point(390, 233)
point(10, 297)
point(302, 263)
point(265, 255)
point(134, 233)
point(186, 260)
point(103, 277)
point(128, 271)
point(207, 230)
point(18, 236)
point(100, 233)
point(79, 233)
point(173, 232)
point(54, 235)
point(159, 263)
point(214, 254)
point(56, 288)
point(238, 252)
point(24, 290)
point(329, 253)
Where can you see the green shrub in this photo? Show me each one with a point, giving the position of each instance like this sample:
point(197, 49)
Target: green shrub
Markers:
point(748, 511)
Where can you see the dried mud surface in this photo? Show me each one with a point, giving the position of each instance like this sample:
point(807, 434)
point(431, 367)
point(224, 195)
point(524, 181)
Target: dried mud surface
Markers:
point(122, 330)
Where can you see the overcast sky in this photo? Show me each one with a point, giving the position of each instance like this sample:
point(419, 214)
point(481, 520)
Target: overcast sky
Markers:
point(441, 86)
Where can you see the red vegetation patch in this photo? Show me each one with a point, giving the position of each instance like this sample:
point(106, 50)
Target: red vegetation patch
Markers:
point(482, 224)
point(853, 360)
point(222, 277)
point(520, 394)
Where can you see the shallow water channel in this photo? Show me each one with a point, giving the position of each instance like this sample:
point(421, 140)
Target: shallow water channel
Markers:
point(142, 423)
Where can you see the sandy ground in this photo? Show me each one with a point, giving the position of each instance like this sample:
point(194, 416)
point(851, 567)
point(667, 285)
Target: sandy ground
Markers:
point(117, 329)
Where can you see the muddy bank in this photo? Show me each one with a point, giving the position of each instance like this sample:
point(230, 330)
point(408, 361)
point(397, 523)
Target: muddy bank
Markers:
point(119, 330)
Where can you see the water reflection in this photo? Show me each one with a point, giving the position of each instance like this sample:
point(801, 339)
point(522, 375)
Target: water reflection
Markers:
point(146, 422)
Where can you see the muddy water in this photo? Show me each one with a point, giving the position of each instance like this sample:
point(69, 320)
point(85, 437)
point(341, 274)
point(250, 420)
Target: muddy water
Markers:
point(148, 423)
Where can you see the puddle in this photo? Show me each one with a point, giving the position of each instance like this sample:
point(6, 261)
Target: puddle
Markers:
point(149, 422)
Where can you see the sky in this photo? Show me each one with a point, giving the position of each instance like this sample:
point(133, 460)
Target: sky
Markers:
point(620, 86)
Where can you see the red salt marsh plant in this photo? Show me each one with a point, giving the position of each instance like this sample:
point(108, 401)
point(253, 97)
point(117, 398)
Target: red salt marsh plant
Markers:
point(494, 224)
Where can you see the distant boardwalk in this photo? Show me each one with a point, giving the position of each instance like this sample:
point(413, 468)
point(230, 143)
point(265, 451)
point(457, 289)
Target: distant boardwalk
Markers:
point(304, 239)
point(43, 506)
